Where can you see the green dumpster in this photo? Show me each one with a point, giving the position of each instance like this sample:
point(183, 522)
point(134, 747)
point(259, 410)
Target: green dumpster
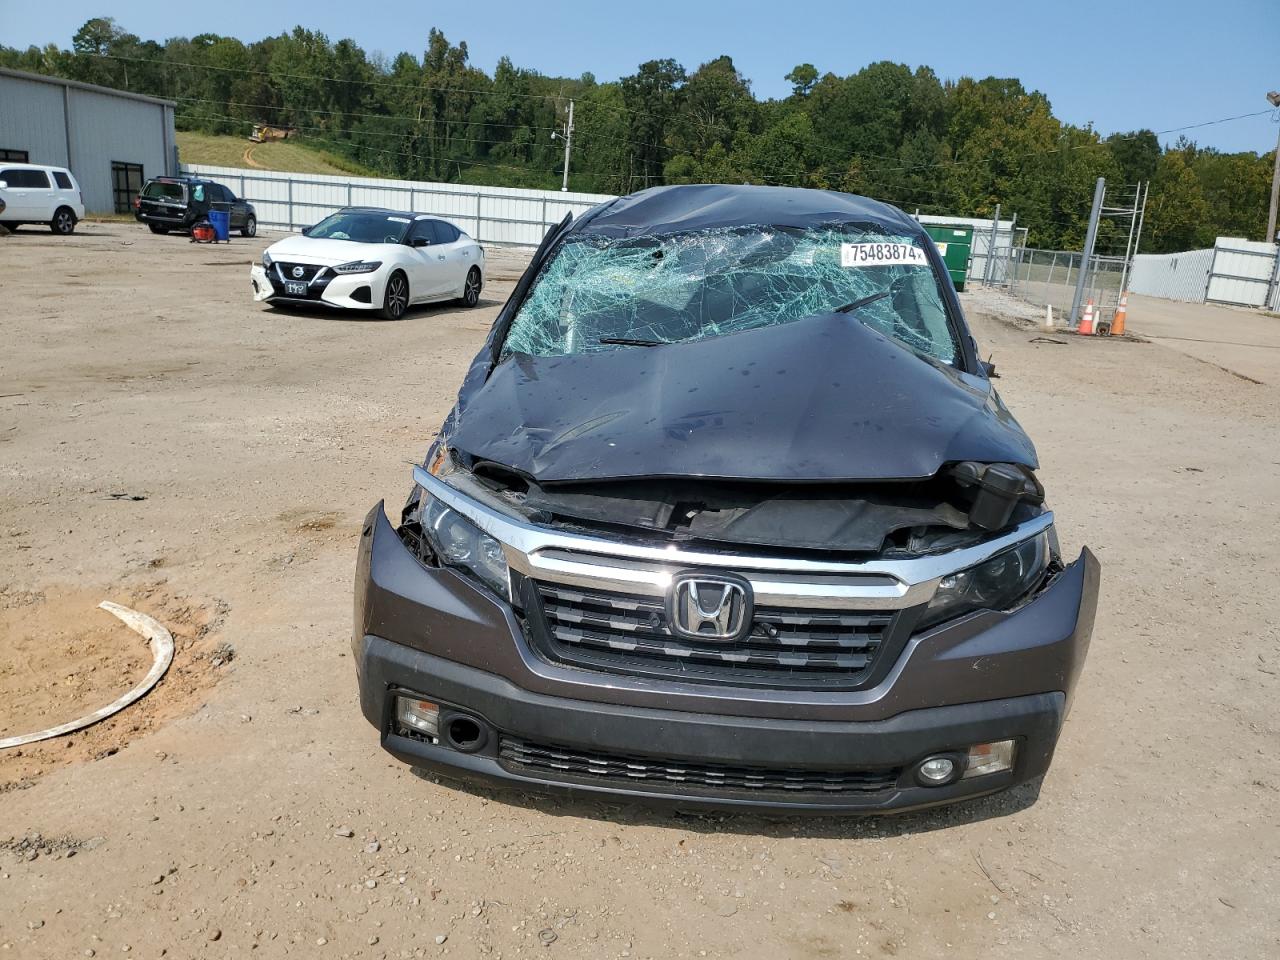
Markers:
point(954, 244)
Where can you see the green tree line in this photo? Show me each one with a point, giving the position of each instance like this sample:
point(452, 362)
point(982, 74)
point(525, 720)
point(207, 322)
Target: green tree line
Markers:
point(887, 131)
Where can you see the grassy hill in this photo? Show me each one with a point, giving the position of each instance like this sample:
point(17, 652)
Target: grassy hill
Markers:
point(290, 156)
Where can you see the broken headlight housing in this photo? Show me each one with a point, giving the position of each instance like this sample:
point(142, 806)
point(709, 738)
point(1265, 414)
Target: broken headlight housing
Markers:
point(995, 584)
point(457, 542)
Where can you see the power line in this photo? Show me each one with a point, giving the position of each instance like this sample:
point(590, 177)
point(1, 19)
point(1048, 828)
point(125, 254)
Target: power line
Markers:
point(349, 113)
point(443, 161)
point(1079, 146)
point(769, 175)
point(400, 84)
point(705, 126)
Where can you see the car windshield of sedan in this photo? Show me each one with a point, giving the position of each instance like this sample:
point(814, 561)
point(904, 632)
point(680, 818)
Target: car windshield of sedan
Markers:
point(361, 227)
point(600, 293)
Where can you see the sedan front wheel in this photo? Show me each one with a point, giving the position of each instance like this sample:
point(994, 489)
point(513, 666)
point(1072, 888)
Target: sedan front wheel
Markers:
point(395, 300)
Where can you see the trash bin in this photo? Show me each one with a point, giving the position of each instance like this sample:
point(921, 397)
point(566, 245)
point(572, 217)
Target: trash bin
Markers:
point(954, 243)
point(221, 220)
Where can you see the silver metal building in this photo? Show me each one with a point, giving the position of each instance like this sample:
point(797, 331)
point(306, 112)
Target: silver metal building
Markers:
point(111, 140)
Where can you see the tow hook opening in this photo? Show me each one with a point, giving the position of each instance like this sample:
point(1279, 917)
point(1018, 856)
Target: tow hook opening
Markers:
point(465, 733)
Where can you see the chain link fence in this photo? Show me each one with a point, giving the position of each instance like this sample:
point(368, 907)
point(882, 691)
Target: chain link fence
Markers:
point(1049, 277)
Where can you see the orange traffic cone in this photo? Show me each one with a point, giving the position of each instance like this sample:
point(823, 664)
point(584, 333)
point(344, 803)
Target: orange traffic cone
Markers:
point(1086, 322)
point(1117, 323)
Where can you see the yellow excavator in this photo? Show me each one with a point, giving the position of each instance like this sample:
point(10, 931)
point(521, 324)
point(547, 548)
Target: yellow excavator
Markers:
point(263, 132)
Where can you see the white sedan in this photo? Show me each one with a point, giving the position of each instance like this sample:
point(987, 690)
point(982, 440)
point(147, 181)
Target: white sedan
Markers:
point(366, 258)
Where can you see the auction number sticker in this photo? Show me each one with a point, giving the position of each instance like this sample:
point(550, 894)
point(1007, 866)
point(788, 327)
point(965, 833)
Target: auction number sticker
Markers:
point(881, 255)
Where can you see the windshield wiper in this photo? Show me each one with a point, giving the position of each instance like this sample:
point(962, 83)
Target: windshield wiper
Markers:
point(630, 342)
point(859, 304)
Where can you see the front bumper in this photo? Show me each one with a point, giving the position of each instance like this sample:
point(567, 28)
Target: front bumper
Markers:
point(984, 678)
point(360, 291)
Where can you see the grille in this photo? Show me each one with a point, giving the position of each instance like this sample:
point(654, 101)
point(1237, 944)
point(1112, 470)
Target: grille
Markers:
point(783, 644)
point(309, 270)
point(521, 755)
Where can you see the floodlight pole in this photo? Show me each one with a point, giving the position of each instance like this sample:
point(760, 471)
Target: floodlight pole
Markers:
point(1274, 99)
point(1275, 195)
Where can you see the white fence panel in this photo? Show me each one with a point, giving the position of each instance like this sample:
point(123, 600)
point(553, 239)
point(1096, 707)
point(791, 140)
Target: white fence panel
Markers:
point(1173, 276)
point(1242, 273)
point(497, 215)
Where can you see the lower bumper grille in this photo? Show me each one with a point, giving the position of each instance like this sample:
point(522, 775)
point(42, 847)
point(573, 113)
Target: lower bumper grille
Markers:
point(521, 755)
point(618, 631)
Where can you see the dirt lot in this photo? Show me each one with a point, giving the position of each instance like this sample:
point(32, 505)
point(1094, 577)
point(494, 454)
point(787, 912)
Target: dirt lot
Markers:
point(214, 821)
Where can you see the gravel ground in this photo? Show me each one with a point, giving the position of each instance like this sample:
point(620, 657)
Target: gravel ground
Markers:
point(262, 817)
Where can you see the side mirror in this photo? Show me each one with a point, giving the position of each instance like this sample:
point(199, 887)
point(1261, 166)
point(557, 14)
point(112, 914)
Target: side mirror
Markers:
point(4, 184)
point(989, 369)
point(306, 231)
point(420, 242)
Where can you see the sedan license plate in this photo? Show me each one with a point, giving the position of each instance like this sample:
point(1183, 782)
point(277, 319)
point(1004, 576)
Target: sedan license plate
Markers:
point(295, 289)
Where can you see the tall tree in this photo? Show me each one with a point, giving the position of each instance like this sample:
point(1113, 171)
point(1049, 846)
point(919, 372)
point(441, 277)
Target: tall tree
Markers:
point(887, 130)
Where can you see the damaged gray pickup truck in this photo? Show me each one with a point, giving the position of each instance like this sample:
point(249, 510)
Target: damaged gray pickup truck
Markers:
point(727, 514)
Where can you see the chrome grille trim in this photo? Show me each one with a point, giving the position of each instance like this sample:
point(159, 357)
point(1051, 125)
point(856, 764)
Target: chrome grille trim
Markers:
point(636, 567)
point(783, 645)
point(316, 271)
point(652, 579)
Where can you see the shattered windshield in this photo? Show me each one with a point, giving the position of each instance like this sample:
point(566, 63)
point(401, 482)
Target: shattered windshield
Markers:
point(599, 293)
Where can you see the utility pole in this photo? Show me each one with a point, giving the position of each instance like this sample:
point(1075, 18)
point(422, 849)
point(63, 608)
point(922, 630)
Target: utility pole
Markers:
point(1274, 99)
point(568, 143)
point(1091, 235)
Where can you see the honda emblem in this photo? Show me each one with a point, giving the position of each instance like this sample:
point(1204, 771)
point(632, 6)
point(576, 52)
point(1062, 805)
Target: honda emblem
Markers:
point(709, 607)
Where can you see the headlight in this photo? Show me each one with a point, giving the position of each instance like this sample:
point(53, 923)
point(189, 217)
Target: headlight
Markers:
point(358, 266)
point(995, 584)
point(266, 260)
point(459, 543)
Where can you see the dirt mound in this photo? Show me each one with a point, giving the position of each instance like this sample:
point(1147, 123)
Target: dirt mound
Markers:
point(62, 657)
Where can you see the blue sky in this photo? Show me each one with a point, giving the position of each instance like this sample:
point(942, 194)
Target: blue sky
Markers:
point(1120, 64)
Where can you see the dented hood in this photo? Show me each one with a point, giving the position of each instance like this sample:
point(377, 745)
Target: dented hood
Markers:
point(821, 399)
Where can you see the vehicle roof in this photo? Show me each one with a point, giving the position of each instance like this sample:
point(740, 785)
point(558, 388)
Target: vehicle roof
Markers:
point(15, 165)
point(680, 208)
point(393, 213)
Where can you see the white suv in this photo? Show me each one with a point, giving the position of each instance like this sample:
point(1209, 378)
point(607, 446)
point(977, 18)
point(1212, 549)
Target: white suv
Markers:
point(34, 193)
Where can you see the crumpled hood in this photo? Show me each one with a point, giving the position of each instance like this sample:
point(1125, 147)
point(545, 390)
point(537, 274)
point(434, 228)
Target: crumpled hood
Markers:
point(821, 399)
point(308, 250)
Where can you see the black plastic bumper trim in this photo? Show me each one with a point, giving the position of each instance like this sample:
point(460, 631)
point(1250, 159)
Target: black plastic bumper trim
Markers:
point(386, 668)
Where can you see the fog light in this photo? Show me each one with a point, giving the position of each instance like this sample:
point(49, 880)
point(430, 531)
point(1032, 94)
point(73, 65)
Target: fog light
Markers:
point(987, 758)
point(419, 716)
point(936, 771)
